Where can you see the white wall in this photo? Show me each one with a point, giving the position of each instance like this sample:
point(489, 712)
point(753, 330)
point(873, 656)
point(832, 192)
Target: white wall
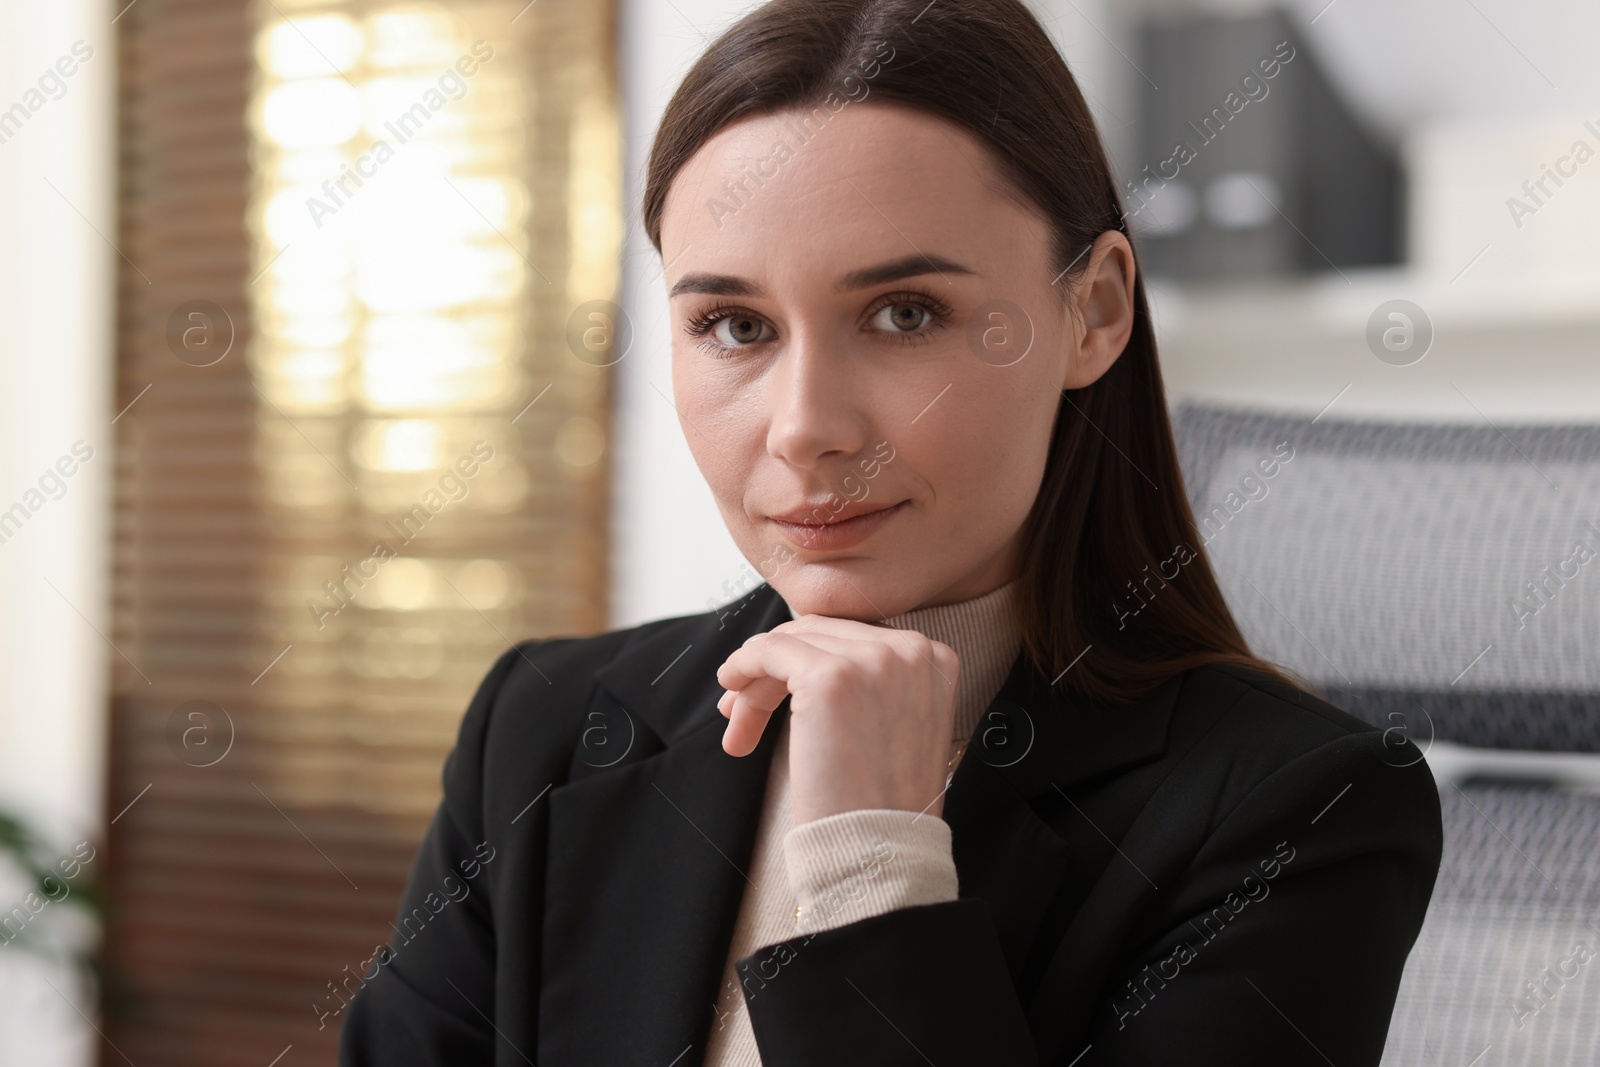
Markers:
point(671, 553)
point(670, 550)
point(56, 293)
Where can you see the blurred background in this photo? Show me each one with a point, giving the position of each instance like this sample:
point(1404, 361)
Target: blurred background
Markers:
point(336, 360)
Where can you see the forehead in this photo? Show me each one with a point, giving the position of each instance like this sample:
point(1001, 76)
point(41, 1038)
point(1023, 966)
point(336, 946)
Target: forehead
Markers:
point(780, 194)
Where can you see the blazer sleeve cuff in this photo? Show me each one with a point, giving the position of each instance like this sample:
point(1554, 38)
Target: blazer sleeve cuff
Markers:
point(856, 864)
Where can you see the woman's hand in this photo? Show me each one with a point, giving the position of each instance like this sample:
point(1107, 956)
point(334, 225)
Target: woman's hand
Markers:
point(871, 713)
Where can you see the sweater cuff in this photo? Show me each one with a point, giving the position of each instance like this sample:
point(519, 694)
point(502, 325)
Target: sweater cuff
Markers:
point(856, 864)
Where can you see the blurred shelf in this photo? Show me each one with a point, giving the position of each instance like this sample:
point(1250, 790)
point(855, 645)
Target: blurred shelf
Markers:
point(1502, 349)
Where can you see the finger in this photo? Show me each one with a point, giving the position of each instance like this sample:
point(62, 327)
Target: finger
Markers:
point(768, 693)
point(851, 628)
point(826, 627)
point(896, 640)
point(934, 654)
point(746, 722)
point(767, 655)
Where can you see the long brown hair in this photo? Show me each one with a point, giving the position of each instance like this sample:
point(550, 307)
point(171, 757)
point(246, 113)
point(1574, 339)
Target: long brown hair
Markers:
point(1112, 516)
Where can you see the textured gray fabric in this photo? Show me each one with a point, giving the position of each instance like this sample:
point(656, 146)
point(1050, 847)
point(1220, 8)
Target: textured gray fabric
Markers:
point(1446, 574)
point(1396, 568)
point(1508, 959)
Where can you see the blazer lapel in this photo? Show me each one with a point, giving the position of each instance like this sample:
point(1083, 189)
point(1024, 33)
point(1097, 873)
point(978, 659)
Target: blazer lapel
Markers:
point(1036, 742)
point(649, 856)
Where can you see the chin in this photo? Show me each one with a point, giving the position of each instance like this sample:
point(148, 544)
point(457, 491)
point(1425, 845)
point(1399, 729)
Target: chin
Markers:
point(841, 591)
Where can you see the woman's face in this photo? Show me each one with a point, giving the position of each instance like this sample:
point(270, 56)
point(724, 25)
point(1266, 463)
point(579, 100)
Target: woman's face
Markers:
point(865, 320)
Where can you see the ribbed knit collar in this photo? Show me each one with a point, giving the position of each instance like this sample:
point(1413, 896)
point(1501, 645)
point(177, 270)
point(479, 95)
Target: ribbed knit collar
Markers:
point(986, 638)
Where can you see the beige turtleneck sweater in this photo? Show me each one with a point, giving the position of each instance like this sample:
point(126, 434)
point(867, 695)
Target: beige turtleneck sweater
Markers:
point(856, 864)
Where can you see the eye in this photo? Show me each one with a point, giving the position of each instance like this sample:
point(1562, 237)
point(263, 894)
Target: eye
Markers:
point(902, 317)
point(909, 316)
point(728, 328)
point(736, 330)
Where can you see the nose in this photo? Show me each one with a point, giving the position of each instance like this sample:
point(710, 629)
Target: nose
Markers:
point(815, 409)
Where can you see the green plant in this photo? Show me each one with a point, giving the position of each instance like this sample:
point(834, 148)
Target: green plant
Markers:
point(53, 883)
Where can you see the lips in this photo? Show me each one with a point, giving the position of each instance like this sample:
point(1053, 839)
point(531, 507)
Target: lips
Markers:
point(821, 514)
point(818, 528)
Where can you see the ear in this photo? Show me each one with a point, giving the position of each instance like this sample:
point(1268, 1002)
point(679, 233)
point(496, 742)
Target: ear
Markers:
point(1102, 305)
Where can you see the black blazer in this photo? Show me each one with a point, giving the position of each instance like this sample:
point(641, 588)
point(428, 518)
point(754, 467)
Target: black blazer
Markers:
point(1230, 872)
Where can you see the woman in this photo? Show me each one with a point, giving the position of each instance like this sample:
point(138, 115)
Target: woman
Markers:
point(984, 772)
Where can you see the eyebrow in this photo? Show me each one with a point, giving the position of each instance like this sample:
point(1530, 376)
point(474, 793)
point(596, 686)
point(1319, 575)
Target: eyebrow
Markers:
point(892, 271)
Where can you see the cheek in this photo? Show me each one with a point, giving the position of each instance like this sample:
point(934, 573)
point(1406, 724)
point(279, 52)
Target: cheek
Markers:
point(994, 464)
point(721, 412)
point(721, 421)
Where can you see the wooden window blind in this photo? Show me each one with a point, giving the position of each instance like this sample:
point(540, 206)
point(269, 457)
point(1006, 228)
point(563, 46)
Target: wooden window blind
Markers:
point(364, 408)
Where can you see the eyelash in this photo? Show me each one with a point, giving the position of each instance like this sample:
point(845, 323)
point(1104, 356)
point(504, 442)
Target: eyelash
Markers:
point(700, 325)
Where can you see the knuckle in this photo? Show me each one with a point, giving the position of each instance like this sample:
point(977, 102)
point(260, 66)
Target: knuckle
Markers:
point(833, 677)
point(896, 641)
point(920, 648)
